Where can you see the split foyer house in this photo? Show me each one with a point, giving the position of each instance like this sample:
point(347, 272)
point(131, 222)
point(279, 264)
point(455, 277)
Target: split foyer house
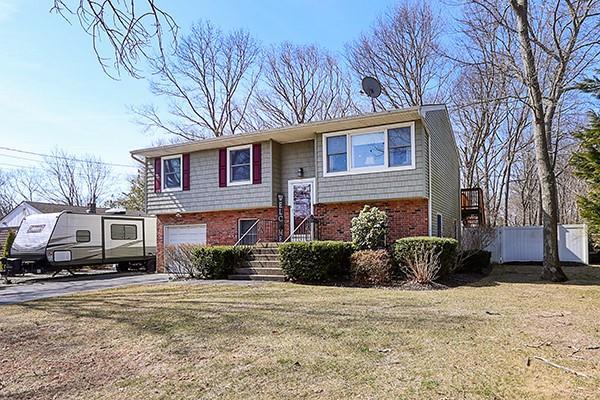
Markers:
point(308, 181)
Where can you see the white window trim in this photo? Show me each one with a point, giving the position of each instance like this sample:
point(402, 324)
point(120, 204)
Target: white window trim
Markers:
point(385, 167)
point(238, 183)
point(162, 173)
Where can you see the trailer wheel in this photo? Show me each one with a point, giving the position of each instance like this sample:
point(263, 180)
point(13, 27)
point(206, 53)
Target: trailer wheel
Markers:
point(122, 267)
point(151, 266)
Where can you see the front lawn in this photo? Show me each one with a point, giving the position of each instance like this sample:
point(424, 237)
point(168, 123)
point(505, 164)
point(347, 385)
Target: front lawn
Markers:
point(283, 340)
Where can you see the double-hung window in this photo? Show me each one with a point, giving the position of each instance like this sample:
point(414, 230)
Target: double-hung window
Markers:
point(239, 168)
point(171, 173)
point(370, 150)
point(399, 147)
point(337, 158)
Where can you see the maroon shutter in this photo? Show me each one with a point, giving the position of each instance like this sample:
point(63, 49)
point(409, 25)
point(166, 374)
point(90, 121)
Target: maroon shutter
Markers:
point(222, 167)
point(186, 171)
point(157, 165)
point(256, 164)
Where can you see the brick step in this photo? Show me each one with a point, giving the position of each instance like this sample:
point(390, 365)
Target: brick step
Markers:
point(242, 277)
point(258, 271)
point(261, 264)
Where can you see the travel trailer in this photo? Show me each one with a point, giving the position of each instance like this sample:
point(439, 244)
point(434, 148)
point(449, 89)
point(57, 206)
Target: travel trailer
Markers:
point(65, 240)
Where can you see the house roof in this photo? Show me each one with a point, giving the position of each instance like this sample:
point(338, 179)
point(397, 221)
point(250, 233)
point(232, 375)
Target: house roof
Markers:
point(47, 208)
point(294, 133)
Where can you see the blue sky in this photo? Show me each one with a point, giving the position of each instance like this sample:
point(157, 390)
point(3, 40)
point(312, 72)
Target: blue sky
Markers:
point(53, 93)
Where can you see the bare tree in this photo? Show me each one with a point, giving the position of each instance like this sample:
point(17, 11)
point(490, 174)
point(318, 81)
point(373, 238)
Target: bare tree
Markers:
point(7, 198)
point(557, 42)
point(75, 181)
point(132, 29)
point(27, 184)
point(209, 82)
point(403, 52)
point(302, 84)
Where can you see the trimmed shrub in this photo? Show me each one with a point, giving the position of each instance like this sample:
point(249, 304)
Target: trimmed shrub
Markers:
point(369, 229)
point(445, 248)
point(217, 262)
point(371, 267)
point(318, 261)
point(474, 261)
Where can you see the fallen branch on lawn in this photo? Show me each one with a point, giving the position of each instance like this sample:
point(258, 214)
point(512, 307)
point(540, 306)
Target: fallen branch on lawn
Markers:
point(572, 371)
point(537, 346)
point(551, 315)
point(577, 349)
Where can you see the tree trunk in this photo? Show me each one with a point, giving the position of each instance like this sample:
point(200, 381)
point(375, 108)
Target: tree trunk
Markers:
point(551, 266)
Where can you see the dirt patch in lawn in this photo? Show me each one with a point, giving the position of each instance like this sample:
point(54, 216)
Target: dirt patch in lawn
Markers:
point(284, 340)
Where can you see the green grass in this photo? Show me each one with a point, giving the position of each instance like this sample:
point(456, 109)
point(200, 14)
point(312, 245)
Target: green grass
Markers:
point(293, 341)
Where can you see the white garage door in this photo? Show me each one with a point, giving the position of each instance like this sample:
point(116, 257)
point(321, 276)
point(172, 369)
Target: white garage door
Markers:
point(179, 234)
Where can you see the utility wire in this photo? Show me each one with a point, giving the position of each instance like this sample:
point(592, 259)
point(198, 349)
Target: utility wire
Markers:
point(20, 158)
point(81, 175)
point(66, 158)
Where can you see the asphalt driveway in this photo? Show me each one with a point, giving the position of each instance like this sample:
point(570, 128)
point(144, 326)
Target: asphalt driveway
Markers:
point(63, 286)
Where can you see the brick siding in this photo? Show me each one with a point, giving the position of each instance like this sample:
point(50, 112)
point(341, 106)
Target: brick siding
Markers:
point(406, 218)
point(221, 226)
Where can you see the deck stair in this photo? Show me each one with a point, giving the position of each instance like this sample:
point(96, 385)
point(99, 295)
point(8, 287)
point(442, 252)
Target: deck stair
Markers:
point(472, 207)
point(261, 265)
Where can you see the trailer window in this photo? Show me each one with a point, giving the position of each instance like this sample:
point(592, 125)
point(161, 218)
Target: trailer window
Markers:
point(36, 228)
point(82, 236)
point(123, 232)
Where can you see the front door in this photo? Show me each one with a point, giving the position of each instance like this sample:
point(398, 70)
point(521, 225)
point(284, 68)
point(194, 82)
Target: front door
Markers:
point(301, 195)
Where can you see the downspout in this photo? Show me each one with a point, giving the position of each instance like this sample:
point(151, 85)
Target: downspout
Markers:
point(144, 162)
point(430, 210)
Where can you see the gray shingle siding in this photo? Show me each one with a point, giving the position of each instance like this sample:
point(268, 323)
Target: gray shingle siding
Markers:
point(385, 185)
point(445, 176)
point(294, 156)
point(280, 163)
point(276, 166)
point(205, 193)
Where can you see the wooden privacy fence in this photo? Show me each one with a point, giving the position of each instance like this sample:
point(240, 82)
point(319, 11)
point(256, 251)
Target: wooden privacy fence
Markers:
point(525, 244)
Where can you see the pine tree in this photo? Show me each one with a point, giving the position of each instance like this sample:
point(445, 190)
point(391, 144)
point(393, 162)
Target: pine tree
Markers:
point(587, 164)
point(134, 199)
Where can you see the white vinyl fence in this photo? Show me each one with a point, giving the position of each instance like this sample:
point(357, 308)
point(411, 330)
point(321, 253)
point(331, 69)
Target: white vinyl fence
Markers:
point(525, 243)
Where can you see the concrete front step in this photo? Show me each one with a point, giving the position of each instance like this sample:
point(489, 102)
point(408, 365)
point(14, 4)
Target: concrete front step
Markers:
point(261, 264)
point(242, 277)
point(263, 256)
point(258, 271)
point(264, 250)
point(268, 245)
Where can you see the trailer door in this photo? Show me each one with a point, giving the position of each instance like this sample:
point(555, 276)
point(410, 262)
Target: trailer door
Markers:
point(123, 239)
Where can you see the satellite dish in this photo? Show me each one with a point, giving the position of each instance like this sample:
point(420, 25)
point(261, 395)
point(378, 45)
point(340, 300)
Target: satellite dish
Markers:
point(371, 87)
